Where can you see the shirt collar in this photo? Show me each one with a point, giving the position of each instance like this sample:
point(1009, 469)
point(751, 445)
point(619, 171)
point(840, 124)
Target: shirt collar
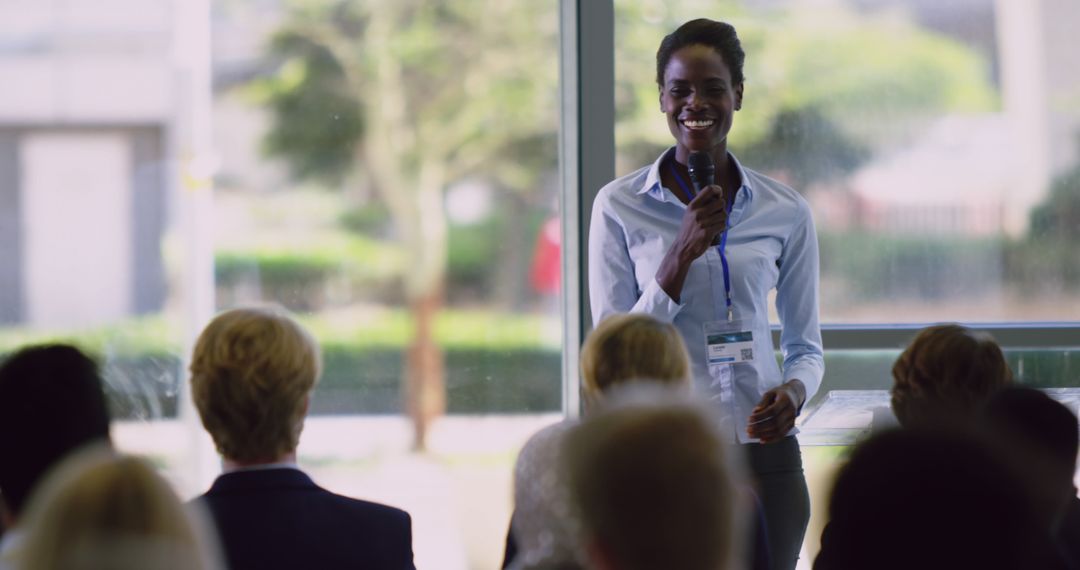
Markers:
point(263, 467)
point(11, 542)
point(652, 178)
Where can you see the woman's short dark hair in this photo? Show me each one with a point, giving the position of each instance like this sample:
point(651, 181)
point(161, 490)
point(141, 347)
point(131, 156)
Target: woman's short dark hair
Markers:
point(720, 36)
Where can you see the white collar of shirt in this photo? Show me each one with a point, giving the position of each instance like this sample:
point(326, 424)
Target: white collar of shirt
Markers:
point(656, 189)
point(9, 544)
point(264, 467)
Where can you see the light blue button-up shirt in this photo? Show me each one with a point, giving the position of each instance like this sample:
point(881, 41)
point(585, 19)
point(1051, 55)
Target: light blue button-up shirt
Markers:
point(771, 244)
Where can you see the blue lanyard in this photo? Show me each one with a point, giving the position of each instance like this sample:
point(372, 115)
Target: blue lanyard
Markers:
point(720, 248)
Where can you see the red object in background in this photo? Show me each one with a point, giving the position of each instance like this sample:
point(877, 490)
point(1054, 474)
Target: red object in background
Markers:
point(546, 273)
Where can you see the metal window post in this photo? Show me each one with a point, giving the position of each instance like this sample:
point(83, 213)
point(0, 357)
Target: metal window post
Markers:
point(586, 159)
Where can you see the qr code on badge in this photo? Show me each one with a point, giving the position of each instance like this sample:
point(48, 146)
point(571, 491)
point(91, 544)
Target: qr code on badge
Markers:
point(746, 354)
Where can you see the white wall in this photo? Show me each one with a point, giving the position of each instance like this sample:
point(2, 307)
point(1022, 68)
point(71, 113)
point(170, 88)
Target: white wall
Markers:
point(77, 234)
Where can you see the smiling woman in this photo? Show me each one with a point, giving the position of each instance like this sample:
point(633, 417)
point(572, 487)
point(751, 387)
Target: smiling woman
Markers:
point(705, 259)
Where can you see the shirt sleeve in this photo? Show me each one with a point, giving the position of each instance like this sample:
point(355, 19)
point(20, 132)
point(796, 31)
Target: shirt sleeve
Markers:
point(797, 304)
point(613, 286)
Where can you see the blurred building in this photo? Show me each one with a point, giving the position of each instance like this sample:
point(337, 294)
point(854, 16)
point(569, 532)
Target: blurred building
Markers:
point(979, 176)
point(86, 112)
point(954, 180)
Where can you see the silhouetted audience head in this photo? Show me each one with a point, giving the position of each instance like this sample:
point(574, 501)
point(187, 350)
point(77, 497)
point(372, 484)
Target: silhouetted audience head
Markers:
point(51, 403)
point(252, 373)
point(649, 476)
point(924, 499)
point(632, 347)
point(945, 374)
point(101, 511)
point(1039, 438)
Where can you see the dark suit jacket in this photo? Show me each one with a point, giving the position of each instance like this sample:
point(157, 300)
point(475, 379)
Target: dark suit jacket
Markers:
point(279, 518)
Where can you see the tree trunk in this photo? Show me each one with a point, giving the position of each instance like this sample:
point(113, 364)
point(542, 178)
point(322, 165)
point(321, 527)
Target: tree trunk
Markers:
point(425, 386)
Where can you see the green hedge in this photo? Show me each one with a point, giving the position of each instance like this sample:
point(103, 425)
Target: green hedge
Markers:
point(872, 369)
point(365, 381)
point(1045, 265)
point(300, 274)
point(495, 362)
point(881, 266)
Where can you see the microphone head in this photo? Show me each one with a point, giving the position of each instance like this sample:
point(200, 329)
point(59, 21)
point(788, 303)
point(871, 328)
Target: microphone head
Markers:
point(702, 170)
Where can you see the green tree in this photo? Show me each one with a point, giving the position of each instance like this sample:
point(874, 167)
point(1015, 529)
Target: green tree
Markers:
point(1058, 217)
point(1046, 260)
point(806, 147)
point(406, 97)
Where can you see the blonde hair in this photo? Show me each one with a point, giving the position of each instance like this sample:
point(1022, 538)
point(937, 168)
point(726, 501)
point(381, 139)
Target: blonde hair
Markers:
point(251, 374)
point(945, 374)
point(102, 511)
point(632, 347)
point(650, 477)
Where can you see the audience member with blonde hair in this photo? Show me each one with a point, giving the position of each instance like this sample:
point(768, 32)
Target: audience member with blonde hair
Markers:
point(945, 374)
point(622, 348)
point(102, 511)
point(632, 347)
point(651, 482)
point(252, 374)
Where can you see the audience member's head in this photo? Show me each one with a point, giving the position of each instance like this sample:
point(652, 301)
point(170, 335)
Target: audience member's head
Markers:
point(252, 373)
point(1039, 436)
point(51, 403)
point(945, 374)
point(632, 347)
point(101, 511)
point(925, 499)
point(649, 477)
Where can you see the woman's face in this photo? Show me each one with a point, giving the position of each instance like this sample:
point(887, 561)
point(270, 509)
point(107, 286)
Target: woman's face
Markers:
point(699, 99)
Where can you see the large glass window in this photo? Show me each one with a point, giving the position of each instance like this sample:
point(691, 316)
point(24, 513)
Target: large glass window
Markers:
point(387, 171)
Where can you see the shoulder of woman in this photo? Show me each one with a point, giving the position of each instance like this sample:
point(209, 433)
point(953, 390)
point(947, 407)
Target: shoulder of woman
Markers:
point(624, 186)
point(544, 444)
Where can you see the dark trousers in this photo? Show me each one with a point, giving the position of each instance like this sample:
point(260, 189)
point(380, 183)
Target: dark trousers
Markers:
point(777, 474)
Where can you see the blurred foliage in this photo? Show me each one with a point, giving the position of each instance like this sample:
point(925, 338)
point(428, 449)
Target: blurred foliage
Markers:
point(495, 362)
point(1058, 217)
point(475, 248)
point(1044, 265)
point(410, 97)
point(881, 266)
point(371, 219)
point(806, 147)
point(357, 328)
point(1047, 259)
point(309, 87)
point(826, 88)
point(299, 273)
point(866, 81)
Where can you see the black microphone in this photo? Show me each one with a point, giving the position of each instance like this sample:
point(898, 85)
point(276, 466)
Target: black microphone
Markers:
point(702, 170)
point(702, 174)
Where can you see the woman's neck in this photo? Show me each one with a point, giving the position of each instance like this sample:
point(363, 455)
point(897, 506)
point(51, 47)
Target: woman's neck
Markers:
point(725, 174)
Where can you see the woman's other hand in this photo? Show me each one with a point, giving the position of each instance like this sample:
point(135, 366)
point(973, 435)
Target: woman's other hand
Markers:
point(774, 416)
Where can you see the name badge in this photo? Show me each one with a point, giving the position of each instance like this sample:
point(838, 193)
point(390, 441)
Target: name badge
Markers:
point(728, 342)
